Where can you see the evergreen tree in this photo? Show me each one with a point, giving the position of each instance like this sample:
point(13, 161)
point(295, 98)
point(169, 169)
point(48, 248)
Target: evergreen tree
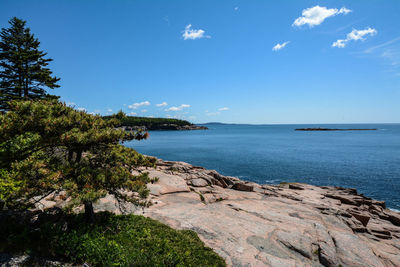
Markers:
point(23, 67)
point(46, 147)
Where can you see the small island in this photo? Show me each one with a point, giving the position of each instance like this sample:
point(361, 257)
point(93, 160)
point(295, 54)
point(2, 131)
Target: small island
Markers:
point(333, 129)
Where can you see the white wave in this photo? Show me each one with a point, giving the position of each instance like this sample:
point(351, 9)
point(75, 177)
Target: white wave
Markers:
point(274, 181)
point(394, 210)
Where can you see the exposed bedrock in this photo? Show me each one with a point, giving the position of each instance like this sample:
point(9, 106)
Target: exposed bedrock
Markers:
point(270, 225)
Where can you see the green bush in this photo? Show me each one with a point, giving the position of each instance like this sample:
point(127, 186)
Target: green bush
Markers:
point(114, 240)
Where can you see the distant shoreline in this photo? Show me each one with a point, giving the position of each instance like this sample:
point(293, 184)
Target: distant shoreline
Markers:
point(333, 129)
point(156, 124)
point(166, 127)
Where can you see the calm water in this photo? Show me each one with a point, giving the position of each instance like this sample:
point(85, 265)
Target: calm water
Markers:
point(366, 160)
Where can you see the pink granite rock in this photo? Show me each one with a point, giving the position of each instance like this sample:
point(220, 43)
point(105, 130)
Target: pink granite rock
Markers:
point(270, 225)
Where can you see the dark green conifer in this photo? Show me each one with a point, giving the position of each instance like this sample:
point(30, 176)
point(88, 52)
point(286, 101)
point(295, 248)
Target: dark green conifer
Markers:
point(23, 67)
point(47, 147)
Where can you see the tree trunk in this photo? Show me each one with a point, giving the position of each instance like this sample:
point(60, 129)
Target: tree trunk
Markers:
point(20, 83)
point(70, 155)
point(78, 156)
point(89, 212)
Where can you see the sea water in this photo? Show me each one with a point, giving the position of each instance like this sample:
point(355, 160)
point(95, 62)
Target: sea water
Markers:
point(366, 160)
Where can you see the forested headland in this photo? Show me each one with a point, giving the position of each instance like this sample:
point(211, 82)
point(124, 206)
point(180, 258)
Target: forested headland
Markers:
point(153, 124)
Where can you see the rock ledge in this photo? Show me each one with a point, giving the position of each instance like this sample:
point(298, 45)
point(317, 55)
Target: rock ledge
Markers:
point(290, 224)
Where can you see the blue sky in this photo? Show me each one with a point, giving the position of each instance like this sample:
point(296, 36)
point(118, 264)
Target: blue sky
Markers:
point(207, 60)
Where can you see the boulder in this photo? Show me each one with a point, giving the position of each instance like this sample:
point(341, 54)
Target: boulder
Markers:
point(243, 187)
point(394, 218)
point(167, 183)
point(199, 182)
point(345, 199)
point(296, 187)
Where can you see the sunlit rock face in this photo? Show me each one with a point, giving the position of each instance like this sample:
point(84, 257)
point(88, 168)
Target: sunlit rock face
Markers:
point(270, 225)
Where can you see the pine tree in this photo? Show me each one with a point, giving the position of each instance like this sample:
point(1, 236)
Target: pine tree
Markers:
point(46, 147)
point(23, 67)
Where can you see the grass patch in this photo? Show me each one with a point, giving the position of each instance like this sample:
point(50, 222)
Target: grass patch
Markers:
point(114, 240)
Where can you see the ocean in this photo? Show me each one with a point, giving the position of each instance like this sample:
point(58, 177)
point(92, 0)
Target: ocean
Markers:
point(269, 154)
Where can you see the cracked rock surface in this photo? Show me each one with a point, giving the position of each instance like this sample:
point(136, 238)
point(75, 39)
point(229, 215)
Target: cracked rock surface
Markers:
point(271, 225)
point(287, 225)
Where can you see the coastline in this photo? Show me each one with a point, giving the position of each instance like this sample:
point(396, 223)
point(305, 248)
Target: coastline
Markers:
point(166, 127)
point(365, 160)
point(249, 224)
point(290, 224)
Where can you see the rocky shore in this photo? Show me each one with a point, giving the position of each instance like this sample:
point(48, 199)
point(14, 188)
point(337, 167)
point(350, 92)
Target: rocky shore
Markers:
point(269, 225)
point(167, 127)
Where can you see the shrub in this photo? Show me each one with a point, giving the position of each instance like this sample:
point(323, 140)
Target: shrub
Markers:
point(114, 240)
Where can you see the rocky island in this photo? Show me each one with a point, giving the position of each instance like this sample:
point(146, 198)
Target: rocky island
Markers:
point(248, 224)
point(333, 129)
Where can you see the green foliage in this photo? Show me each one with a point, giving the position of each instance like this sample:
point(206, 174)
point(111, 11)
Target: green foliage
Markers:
point(202, 197)
point(8, 185)
point(150, 123)
point(23, 67)
point(113, 241)
point(46, 146)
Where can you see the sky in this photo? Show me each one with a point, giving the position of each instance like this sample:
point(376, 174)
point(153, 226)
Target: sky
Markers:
point(233, 61)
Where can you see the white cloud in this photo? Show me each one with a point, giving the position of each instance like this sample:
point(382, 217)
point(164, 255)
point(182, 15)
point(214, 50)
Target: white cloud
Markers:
point(236, 8)
point(163, 104)
point(133, 113)
point(223, 109)
point(70, 104)
point(109, 110)
point(144, 110)
point(192, 34)
point(178, 108)
point(279, 46)
point(344, 10)
point(81, 109)
point(316, 15)
point(136, 105)
point(173, 109)
point(354, 35)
